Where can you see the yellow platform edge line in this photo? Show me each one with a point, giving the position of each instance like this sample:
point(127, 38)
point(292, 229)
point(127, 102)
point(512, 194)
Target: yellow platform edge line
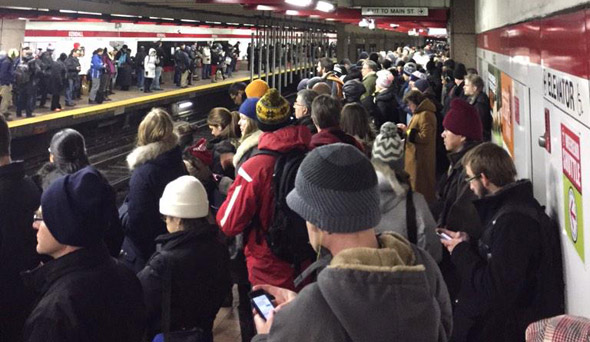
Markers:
point(101, 108)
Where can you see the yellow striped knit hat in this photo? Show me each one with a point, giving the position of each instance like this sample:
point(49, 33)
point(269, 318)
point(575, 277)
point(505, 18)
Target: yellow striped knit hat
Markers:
point(272, 111)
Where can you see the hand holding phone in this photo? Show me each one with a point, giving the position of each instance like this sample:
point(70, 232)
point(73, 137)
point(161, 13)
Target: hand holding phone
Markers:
point(262, 303)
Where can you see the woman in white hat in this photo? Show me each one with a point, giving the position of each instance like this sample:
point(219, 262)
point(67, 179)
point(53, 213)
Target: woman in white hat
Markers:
point(193, 258)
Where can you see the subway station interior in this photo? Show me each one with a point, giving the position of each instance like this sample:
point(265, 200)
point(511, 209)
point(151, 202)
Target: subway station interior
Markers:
point(101, 71)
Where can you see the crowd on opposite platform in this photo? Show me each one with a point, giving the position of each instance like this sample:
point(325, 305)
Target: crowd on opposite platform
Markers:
point(340, 206)
point(27, 76)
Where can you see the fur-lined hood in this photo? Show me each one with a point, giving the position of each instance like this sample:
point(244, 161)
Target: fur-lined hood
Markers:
point(245, 146)
point(142, 154)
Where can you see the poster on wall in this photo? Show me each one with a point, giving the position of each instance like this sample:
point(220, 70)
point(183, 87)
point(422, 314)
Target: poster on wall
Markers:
point(506, 120)
point(572, 188)
point(495, 102)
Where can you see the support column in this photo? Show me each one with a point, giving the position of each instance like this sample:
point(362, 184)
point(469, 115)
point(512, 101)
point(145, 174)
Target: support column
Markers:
point(342, 42)
point(462, 32)
point(12, 34)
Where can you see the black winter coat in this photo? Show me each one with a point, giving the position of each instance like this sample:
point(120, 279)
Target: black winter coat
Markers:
point(72, 67)
point(308, 122)
point(19, 198)
point(85, 296)
point(482, 105)
point(153, 170)
point(382, 106)
point(498, 280)
point(57, 81)
point(455, 198)
point(200, 281)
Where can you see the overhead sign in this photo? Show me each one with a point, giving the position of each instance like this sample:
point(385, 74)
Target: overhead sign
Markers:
point(395, 11)
point(572, 188)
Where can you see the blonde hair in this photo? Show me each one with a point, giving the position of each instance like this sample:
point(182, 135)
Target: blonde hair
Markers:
point(156, 126)
point(251, 127)
point(226, 120)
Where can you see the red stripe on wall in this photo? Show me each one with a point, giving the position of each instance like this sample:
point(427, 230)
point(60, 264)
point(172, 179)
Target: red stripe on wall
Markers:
point(116, 34)
point(560, 42)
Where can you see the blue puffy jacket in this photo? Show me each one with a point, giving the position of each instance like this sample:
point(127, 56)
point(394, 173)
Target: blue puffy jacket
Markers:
point(6, 71)
point(97, 66)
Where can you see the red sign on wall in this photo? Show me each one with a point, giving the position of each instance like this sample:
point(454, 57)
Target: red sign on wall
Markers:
point(570, 155)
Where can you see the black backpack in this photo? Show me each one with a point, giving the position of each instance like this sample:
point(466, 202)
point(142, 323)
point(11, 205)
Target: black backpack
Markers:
point(287, 235)
point(22, 74)
point(549, 276)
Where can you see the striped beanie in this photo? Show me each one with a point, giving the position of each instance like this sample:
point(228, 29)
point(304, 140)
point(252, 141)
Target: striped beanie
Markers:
point(388, 147)
point(272, 111)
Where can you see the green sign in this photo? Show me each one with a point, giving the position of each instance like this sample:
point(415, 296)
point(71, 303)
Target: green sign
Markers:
point(574, 220)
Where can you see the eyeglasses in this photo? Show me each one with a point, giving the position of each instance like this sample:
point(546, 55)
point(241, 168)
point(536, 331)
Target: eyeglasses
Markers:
point(469, 179)
point(297, 105)
point(37, 217)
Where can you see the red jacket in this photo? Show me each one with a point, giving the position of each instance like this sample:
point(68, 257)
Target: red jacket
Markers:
point(334, 135)
point(250, 202)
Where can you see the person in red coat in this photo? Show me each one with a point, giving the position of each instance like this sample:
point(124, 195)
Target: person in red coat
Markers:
point(250, 200)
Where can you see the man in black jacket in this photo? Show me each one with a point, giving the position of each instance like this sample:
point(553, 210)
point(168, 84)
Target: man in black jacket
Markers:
point(85, 295)
point(501, 290)
point(19, 198)
point(477, 98)
point(73, 69)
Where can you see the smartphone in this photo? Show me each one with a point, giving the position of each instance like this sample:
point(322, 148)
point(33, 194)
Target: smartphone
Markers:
point(443, 235)
point(262, 302)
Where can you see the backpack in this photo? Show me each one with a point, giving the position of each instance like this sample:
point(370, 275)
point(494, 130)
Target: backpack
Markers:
point(22, 74)
point(287, 234)
point(549, 276)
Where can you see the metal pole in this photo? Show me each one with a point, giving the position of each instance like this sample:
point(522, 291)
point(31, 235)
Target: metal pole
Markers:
point(267, 54)
point(251, 61)
point(259, 46)
point(291, 53)
point(284, 58)
point(280, 55)
point(274, 55)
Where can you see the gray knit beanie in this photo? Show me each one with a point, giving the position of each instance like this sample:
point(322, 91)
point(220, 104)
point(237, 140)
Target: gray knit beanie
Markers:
point(336, 190)
point(388, 147)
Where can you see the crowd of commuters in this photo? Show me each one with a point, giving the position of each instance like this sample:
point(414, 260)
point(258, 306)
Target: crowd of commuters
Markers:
point(332, 205)
point(28, 76)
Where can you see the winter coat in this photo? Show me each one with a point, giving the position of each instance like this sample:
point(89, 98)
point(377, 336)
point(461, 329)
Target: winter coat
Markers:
point(206, 52)
point(153, 167)
point(200, 280)
point(420, 155)
point(19, 199)
point(307, 122)
point(393, 199)
point(85, 296)
point(246, 148)
point(395, 292)
point(109, 66)
point(6, 71)
point(498, 287)
point(182, 60)
point(369, 82)
point(482, 104)
point(96, 67)
point(382, 107)
point(219, 146)
point(334, 135)
point(455, 209)
point(149, 64)
point(57, 82)
point(113, 235)
point(250, 202)
point(140, 57)
point(72, 67)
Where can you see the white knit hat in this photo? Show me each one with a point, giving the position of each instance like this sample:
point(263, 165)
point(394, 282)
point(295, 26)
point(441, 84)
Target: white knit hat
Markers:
point(184, 197)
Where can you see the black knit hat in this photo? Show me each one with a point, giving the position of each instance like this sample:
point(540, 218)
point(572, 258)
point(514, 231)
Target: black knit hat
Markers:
point(353, 90)
point(77, 207)
point(336, 190)
point(460, 72)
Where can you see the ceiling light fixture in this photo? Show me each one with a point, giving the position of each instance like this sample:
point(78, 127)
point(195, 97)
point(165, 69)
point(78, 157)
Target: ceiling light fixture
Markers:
point(169, 19)
point(67, 11)
point(189, 20)
point(324, 6)
point(330, 19)
point(299, 3)
point(394, 25)
point(89, 13)
point(291, 12)
point(264, 8)
point(127, 16)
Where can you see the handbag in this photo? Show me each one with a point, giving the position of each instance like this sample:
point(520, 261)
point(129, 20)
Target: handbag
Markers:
point(191, 335)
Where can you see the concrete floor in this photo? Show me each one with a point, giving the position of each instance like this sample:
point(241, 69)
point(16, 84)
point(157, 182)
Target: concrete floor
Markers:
point(227, 325)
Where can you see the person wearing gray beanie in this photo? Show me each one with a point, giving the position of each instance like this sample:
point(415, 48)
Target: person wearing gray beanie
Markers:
point(360, 273)
point(413, 221)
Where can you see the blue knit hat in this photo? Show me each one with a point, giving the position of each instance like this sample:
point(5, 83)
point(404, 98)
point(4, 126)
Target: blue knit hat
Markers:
point(78, 207)
point(336, 190)
point(248, 107)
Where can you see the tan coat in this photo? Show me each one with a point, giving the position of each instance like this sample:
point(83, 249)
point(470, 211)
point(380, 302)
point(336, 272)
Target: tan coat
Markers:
point(420, 159)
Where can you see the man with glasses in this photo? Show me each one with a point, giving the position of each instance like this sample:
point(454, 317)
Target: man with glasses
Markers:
point(85, 295)
point(19, 198)
point(237, 93)
point(302, 109)
point(369, 73)
point(511, 276)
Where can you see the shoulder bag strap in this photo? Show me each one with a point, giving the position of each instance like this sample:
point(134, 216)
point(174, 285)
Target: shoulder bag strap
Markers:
point(166, 298)
point(411, 218)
